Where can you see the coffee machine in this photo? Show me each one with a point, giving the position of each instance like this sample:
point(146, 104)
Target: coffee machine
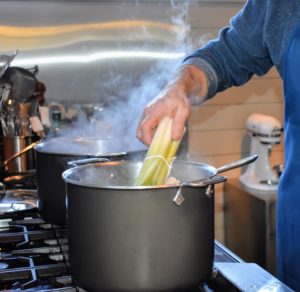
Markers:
point(265, 131)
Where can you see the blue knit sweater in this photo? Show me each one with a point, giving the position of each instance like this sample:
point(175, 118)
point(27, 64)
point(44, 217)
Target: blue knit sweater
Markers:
point(255, 40)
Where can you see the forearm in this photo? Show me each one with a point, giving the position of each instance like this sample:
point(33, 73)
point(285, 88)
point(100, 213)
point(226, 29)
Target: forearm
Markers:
point(239, 52)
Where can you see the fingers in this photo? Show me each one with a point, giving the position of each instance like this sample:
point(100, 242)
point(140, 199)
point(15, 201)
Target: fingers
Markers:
point(173, 102)
point(179, 122)
point(147, 126)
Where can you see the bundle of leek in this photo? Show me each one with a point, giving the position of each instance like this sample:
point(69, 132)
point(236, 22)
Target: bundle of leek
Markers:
point(159, 157)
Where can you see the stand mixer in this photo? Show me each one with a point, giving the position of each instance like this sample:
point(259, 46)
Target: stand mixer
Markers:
point(265, 131)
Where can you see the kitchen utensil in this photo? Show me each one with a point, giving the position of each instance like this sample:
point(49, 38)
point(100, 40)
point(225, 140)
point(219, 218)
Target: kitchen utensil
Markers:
point(23, 82)
point(138, 239)
point(23, 120)
point(179, 198)
point(9, 116)
point(52, 157)
point(5, 61)
point(5, 90)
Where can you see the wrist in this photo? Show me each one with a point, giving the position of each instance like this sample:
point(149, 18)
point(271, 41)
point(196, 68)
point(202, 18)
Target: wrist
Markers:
point(193, 82)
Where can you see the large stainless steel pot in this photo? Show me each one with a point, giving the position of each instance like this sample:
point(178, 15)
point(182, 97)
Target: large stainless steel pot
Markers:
point(54, 156)
point(128, 238)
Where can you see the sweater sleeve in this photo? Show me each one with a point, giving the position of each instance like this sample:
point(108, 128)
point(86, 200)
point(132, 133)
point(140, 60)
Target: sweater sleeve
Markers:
point(238, 53)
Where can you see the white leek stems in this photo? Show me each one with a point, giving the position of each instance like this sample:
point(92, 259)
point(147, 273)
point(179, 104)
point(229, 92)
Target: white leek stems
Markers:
point(159, 157)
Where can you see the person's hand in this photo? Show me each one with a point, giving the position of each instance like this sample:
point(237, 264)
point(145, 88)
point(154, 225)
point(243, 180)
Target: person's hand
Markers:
point(174, 102)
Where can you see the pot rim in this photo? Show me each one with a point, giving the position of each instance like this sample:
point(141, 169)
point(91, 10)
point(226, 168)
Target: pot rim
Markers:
point(97, 154)
point(68, 172)
point(42, 147)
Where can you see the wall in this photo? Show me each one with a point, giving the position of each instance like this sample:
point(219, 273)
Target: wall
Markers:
point(217, 128)
point(86, 50)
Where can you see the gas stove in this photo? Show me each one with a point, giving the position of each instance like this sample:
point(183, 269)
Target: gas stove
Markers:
point(34, 257)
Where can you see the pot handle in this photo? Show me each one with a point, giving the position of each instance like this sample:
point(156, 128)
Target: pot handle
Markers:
point(179, 198)
point(238, 163)
point(78, 162)
point(24, 150)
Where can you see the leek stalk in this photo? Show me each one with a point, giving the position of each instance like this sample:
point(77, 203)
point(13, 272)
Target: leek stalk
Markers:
point(159, 157)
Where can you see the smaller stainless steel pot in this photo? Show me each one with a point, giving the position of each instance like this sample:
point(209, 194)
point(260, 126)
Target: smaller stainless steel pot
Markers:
point(130, 238)
point(55, 156)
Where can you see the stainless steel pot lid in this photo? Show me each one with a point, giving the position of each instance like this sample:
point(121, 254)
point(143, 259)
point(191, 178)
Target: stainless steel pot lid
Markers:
point(89, 146)
point(17, 200)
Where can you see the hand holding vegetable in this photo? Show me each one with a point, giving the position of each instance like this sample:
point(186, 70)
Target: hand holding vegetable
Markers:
point(173, 102)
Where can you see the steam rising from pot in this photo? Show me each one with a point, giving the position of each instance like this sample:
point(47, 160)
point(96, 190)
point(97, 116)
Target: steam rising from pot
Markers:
point(128, 92)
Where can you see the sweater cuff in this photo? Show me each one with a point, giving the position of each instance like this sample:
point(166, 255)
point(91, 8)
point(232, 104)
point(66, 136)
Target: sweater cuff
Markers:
point(212, 79)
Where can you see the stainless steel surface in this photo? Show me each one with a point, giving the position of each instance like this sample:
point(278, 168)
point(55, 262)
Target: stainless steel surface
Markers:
point(14, 118)
point(78, 162)
point(236, 164)
point(250, 224)
point(179, 199)
point(19, 153)
point(250, 277)
point(18, 158)
point(145, 241)
point(96, 42)
point(87, 146)
point(5, 90)
point(51, 187)
point(93, 190)
point(117, 53)
point(17, 200)
point(122, 174)
point(5, 61)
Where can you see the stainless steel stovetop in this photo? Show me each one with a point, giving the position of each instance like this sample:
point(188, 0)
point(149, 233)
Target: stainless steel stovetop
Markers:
point(34, 257)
